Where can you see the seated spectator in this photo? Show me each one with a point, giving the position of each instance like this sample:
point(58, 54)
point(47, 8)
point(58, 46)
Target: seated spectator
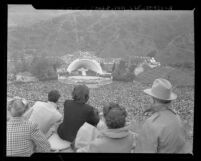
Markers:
point(76, 113)
point(117, 137)
point(45, 114)
point(23, 137)
point(163, 131)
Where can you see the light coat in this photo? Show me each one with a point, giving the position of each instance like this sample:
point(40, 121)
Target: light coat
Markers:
point(112, 141)
point(161, 133)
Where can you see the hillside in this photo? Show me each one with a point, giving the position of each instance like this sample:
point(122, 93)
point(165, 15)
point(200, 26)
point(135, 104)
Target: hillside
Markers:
point(110, 34)
point(147, 77)
point(178, 77)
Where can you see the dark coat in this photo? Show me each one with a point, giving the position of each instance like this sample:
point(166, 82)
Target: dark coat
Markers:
point(75, 115)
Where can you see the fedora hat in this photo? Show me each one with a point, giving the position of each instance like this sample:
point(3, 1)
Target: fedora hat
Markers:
point(161, 89)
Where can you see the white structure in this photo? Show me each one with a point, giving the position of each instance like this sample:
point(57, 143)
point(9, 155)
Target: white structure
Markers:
point(86, 64)
point(153, 63)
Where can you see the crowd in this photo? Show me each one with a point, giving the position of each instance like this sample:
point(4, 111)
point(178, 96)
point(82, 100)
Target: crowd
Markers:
point(83, 128)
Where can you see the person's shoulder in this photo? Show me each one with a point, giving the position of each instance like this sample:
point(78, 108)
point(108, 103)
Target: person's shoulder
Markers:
point(28, 124)
point(33, 126)
point(68, 101)
point(99, 140)
point(38, 104)
point(88, 106)
point(153, 118)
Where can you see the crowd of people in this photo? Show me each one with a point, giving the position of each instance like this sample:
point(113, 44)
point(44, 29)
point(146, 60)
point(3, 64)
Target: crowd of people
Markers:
point(82, 128)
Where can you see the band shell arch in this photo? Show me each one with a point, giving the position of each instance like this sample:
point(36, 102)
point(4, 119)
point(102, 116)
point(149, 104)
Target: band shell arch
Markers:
point(85, 63)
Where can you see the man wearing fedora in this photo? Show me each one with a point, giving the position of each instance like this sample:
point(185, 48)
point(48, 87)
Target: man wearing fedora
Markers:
point(162, 132)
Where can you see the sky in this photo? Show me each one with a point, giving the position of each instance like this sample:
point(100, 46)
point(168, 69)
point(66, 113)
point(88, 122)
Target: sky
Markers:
point(26, 15)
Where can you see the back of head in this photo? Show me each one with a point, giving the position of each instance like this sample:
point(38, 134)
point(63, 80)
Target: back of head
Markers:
point(115, 116)
point(53, 96)
point(18, 107)
point(80, 93)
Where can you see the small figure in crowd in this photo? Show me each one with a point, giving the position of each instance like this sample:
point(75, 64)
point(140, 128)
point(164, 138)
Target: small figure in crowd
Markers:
point(76, 113)
point(163, 131)
point(117, 137)
point(23, 137)
point(45, 114)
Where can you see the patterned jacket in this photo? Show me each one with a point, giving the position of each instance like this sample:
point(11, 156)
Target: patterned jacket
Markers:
point(23, 137)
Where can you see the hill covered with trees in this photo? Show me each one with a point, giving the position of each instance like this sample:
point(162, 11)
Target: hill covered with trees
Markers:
point(109, 34)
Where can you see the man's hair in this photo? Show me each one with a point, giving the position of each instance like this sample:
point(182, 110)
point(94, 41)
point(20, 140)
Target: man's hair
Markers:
point(80, 93)
point(53, 96)
point(115, 115)
point(162, 101)
point(19, 106)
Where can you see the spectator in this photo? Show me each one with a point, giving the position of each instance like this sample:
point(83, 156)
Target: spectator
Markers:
point(163, 131)
point(116, 138)
point(76, 113)
point(45, 114)
point(23, 137)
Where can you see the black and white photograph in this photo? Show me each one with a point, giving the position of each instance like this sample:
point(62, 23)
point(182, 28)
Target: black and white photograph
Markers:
point(99, 81)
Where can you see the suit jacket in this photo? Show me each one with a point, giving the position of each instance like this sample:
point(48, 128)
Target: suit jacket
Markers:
point(75, 115)
point(161, 133)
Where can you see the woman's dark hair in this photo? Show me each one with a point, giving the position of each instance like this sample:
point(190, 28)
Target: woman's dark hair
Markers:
point(53, 96)
point(115, 116)
point(80, 93)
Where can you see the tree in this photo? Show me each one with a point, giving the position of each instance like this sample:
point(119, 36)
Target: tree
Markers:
point(20, 64)
point(113, 67)
point(102, 65)
point(123, 72)
point(43, 69)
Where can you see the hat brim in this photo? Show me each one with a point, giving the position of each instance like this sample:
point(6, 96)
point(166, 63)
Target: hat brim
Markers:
point(173, 96)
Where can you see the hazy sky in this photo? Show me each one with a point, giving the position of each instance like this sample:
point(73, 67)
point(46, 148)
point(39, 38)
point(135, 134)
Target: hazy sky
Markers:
point(27, 15)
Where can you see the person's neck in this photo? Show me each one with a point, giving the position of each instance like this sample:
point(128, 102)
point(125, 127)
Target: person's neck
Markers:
point(157, 107)
point(16, 117)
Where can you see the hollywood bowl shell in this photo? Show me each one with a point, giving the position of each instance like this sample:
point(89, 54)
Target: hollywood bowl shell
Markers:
point(90, 81)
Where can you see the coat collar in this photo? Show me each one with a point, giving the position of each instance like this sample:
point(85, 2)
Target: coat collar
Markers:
point(52, 104)
point(116, 133)
point(16, 119)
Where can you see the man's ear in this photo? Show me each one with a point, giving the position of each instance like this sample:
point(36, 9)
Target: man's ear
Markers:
point(9, 104)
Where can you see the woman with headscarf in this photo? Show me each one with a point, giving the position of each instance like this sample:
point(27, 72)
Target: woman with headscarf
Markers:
point(76, 113)
point(116, 137)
